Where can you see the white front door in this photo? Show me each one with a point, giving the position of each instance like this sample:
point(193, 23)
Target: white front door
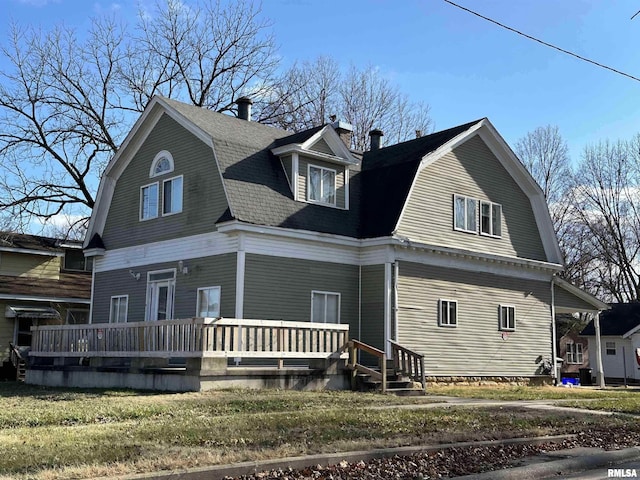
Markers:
point(160, 293)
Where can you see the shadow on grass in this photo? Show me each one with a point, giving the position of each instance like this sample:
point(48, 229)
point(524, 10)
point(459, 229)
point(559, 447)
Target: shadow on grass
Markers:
point(20, 389)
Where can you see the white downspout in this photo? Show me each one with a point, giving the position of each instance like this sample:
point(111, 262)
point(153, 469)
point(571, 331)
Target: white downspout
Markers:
point(396, 269)
point(554, 370)
point(599, 369)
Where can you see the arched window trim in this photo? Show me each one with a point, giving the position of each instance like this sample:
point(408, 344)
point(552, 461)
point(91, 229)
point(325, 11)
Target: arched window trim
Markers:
point(159, 156)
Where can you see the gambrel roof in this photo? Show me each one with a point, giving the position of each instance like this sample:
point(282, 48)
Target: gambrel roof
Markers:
point(258, 191)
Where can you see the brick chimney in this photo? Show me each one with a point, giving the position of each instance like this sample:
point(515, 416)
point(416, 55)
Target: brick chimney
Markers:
point(244, 108)
point(376, 139)
point(344, 130)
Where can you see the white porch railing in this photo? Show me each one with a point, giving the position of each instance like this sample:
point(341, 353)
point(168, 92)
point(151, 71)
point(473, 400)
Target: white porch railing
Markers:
point(194, 337)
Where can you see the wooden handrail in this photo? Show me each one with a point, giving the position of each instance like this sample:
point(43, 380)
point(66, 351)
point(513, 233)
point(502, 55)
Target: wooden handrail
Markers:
point(354, 346)
point(408, 362)
point(192, 337)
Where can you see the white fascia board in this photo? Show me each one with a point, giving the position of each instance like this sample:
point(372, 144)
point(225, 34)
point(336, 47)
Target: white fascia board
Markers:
point(34, 298)
point(631, 332)
point(581, 294)
point(185, 248)
point(31, 252)
point(297, 148)
point(94, 252)
point(238, 226)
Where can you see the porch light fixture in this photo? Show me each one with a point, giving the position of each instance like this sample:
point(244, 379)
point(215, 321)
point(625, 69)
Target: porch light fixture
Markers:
point(135, 275)
point(182, 268)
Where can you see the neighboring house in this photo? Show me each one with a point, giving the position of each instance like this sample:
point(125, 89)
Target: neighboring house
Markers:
point(620, 341)
point(42, 281)
point(443, 243)
point(574, 351)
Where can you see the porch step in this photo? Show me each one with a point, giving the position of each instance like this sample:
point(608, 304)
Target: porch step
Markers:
point(21, 371)
point(396, 385)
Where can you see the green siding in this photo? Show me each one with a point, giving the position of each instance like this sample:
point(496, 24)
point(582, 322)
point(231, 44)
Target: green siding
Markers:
point(471, 170)
point(303, 171)
point(25, 265)
point(372, 323)
point(476, 346)
point(322, 146)
point(566, 299)
point(204, 200)
point(6, 333)
point(279, 288)
point(213, 271)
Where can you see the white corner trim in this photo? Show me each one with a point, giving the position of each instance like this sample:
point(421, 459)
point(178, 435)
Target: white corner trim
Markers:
point(295, 165)
point(240, 272)
point(387, 308)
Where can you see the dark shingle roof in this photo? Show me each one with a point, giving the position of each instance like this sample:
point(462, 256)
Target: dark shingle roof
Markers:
point(29, 242)
point(387, 175)
point(299, 137)
point(70, 285)
point(616, 321)
point(259, 193)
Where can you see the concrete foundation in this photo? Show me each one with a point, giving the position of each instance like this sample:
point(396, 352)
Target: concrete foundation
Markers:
point(196, 376)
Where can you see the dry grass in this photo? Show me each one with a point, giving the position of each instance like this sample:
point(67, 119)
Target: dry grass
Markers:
point(61, 434)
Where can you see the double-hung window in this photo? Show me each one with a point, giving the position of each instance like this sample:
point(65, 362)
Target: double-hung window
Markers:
point(507, 318)
point(610, 348)
point(448, 313)
point(172, 196)
point(118, 310)
point(322, 185)
point(208, 302)
point(325, 307)
point(149, 201)
point(574, 353)
point(464, 213)
point(490, 218)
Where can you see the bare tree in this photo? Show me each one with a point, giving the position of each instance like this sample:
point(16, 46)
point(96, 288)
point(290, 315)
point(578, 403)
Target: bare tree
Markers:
point(67, 100)
point(362, 97)
point(606, 194)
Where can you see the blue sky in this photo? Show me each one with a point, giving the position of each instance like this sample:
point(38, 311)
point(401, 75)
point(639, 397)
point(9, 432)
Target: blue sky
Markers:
point(462, 66)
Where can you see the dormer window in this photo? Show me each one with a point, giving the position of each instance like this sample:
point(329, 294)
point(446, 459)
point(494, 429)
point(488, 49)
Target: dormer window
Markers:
point(322, 185)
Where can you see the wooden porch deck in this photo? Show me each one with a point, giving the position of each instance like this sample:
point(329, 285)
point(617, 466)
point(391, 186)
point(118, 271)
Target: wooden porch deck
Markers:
point(144, 354)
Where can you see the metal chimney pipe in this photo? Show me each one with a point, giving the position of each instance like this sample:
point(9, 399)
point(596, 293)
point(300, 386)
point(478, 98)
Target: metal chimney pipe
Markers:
point(244, 108)
point(376, 139)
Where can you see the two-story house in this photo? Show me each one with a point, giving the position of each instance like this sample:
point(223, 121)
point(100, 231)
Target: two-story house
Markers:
point(442, 244)
point(42, 280)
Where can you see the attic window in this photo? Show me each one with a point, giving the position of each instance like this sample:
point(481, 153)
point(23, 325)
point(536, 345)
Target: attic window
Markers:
point(162, 163)
point(322, 185)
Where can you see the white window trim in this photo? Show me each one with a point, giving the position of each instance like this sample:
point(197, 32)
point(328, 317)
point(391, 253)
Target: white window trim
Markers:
point(322, 292)
point(126, 311)
point(491, 205)
point(181, 193)
point(159, 156)
point(503, 328)
point(607, 348)
point(455, 227)
point(216, 287)
point(335, 186)
point(441, 323)
point(142, 200)
point(579, 359)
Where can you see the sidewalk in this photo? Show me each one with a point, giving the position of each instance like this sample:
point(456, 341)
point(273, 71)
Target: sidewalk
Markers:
point(550, 464)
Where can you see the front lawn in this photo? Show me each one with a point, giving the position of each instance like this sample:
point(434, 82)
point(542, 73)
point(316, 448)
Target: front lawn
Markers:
point(55, 434)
